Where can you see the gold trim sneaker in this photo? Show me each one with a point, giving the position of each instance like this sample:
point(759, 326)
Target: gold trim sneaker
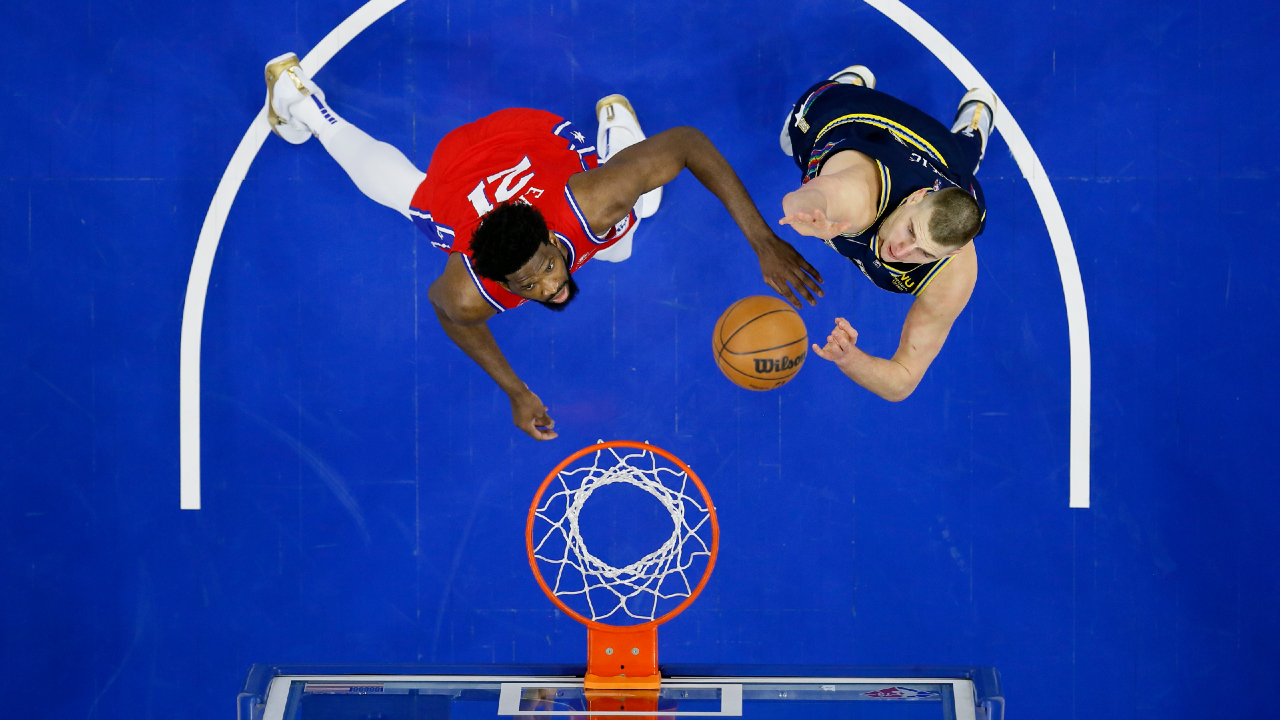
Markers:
point(286, 85)
point(856, 75)
point(619, 129)
point(977, 113)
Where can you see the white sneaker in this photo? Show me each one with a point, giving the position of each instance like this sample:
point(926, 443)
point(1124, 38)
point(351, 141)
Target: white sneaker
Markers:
point(619, 129)
point(856, 75)
point(785, 139)
point(286, 85)
point(977, 113)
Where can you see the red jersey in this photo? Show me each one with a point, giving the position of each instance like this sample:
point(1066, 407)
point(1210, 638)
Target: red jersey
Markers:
point(516, 154)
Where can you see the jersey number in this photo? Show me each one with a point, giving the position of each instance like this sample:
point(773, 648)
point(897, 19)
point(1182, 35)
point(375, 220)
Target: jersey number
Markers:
point(512, 182)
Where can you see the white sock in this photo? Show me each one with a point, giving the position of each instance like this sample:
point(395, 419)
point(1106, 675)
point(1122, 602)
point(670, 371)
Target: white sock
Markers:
point(785, 139)
point(379, 169)
point(317, 116)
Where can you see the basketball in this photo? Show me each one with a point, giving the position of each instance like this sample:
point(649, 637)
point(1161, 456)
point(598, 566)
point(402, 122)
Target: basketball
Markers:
point(760, 342)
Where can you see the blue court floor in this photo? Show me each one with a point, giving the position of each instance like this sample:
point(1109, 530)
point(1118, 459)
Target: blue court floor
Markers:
point(364, 491)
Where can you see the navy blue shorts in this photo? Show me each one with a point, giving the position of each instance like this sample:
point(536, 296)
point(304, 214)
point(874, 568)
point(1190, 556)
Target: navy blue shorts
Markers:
point(960, 153)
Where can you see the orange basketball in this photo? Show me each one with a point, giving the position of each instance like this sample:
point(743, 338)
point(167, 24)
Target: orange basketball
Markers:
point(760, 342)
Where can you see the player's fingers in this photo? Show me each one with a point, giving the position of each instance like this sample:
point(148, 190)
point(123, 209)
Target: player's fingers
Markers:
point(844, 325)
point(803, 289)
point(535, 432)
point(805, 280)
point(811, 270)
point(820, 352)
point(784, 290)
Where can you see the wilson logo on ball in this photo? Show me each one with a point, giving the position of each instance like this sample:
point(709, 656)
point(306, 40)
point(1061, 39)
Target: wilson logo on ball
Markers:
point(782, 364)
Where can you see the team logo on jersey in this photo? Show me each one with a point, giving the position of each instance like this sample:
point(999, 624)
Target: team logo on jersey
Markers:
point(902, 693)
point(622, 225)
point(862, 267)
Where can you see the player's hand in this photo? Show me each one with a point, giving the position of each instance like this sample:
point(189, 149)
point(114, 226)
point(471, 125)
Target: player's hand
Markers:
point(815, 224)
point(841, 344)
point(784, 268)
point(530, 415)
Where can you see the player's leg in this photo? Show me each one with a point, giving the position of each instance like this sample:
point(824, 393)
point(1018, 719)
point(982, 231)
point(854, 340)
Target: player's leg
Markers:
point(619, 129)
point(853, 75)
point(975, 119)
point(298, 110)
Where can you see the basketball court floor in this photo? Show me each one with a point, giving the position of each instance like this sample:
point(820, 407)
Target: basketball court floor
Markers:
point(362, 491)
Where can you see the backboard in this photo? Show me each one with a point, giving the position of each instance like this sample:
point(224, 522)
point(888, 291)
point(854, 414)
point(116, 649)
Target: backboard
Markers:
point(538, 692)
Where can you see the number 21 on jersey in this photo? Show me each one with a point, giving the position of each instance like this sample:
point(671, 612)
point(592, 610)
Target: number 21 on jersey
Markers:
point(504, 186)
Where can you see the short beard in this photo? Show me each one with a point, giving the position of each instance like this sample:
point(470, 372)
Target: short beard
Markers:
point(559, 307)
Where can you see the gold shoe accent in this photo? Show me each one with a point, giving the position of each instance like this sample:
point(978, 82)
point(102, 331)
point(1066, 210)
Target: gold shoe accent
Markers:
point(977, 115)
point(297, 81)
point(862, 76)
point(610, 100)
point(281, 65)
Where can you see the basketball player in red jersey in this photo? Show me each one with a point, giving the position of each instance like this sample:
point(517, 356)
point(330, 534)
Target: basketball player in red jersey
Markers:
point(520, 200)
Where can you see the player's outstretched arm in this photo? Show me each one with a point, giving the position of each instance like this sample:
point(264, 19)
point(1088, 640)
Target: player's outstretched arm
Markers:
point(843, 197)
point(464, 316)
point(608, 192)
point(928, 323)
point(807, 211)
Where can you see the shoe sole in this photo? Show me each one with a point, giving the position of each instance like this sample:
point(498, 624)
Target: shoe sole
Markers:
point(276, 68)
point(862, 72)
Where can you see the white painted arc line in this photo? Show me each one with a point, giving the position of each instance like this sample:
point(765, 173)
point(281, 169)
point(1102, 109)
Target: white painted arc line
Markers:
point(207, 248)
point(193, 309)
point(1059, 236)
point(366, 15)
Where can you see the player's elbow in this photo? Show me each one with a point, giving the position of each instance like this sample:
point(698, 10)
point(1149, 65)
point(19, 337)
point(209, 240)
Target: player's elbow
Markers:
point(900, 388)
point(688, 142)
point(896, 394)
point(688, 133)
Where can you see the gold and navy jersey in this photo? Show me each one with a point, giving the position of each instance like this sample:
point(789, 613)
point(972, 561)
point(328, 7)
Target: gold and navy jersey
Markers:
point(911, 150)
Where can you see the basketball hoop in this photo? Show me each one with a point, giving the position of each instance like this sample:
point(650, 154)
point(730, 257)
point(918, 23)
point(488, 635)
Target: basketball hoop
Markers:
point(622, 607)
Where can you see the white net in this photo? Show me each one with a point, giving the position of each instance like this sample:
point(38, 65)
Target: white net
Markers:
point(638, 591)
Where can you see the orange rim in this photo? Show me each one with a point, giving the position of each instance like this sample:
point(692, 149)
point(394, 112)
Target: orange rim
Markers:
point(533, 508)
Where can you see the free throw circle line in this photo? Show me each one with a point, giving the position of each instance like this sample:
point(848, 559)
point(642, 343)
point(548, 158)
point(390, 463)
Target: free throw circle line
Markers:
point(207, 248)
point(1063, 249)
